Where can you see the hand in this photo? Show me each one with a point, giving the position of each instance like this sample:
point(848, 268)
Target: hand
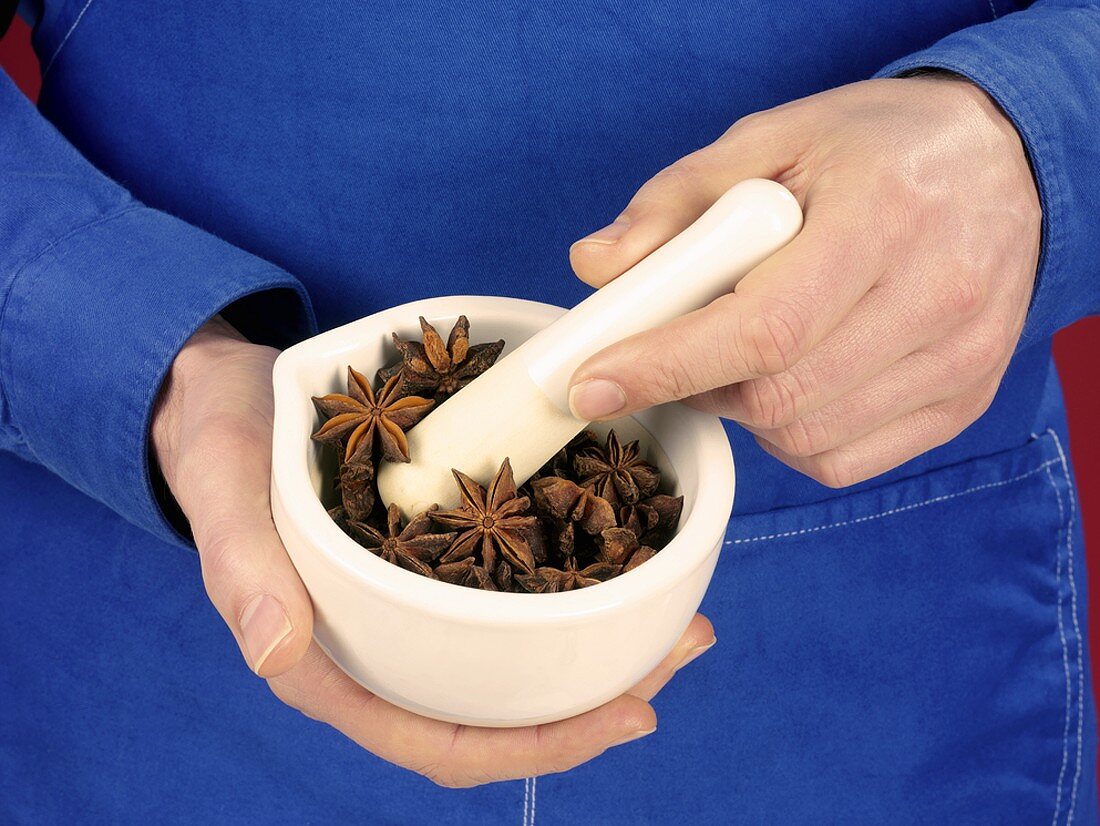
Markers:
point(884, 328)
point(212, 439)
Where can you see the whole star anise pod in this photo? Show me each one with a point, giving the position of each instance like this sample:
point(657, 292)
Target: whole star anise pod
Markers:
point(361, 417)
point(357, 488)
point(620, 547)
point(553, 580)
point(442, 369)
point(492, 520)
point(412, 546)
point(562, 499)
point(465, 572)
point(657, 513)
point(616, 471)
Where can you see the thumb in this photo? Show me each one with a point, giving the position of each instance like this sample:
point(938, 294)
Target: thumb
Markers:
point(252, 582)
point(673, 199)
point(216, 452)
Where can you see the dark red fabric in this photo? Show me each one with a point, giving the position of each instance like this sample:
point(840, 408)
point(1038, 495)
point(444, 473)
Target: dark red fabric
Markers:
point(1075, 350)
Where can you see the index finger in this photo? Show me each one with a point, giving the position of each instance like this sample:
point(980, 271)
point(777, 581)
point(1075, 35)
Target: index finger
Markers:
point(775, 315)
point(455, 755)
point(450, 754)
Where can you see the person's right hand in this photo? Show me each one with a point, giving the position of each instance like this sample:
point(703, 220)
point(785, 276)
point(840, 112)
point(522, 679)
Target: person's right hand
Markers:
point(212, 439)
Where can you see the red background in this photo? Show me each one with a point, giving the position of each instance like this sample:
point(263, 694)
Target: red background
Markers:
point(1073, 350)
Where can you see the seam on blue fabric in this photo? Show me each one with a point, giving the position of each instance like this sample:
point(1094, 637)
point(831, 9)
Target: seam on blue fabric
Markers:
point(993, 9)
point(1076, 622)
point(65, 39)
point(892, 511)
point(526, 799)
point(1065, 647)
point(5, 364)
point(534, 798)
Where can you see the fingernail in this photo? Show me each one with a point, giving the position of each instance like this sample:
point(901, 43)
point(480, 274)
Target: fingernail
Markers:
point(638, 735)
point(264, 624)
point(609, 234)
point(596, 399)
point(697, 652)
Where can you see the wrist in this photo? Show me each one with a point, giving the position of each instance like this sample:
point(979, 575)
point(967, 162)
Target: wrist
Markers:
point(212, 342)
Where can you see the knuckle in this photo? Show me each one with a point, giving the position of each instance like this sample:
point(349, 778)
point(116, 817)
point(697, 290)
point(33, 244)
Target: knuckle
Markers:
point(976, 356)
point(219, 554)
point(771, 401)
point(837, 470)
point(966, 292)
point(986, 352)
point(684, 175)
point(747, 124)
point(773, 340)
point(805, 437)
point(668, 378)
point(898, 204)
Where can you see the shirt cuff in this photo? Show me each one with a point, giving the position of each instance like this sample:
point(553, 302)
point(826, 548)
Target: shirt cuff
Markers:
point(91, 327)
point(1041, 67)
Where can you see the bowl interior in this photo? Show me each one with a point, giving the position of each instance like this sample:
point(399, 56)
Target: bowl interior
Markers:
point(689, 447)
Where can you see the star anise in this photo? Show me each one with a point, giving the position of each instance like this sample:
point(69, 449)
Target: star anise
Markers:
point(657, 513)
point(360, 417)
point(561, 463)
point(442, 369)
point(620, 547)
point(465, 572)
point(491, 519)
point(553, 580)
point(560, 498)
point(357, 488)
point(616, 471)
point(412, 546)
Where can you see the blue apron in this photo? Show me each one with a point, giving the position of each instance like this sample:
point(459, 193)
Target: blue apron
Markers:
point(908, 650)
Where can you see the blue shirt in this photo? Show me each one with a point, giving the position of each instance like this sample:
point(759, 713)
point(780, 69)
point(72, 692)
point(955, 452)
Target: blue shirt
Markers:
point(202, 158)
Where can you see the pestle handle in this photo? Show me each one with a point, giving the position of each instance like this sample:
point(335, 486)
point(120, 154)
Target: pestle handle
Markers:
point(519, 409)
point(747, 224)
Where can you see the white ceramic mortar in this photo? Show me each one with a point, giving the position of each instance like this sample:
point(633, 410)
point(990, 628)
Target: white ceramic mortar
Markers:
point(468, 656)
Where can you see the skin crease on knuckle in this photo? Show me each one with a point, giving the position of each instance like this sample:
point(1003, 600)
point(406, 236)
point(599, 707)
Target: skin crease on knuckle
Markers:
point(771, 337)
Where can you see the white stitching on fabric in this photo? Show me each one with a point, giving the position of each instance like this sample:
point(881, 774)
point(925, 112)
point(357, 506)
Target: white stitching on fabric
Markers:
point(934, 500)
point(1076, 623)
point(65, 39)
point(993, 9)
point(1065, 648)
point(534, 798)
point(526, 798)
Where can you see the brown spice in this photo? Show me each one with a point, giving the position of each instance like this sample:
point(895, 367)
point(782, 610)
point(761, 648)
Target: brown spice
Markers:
point(589, 514)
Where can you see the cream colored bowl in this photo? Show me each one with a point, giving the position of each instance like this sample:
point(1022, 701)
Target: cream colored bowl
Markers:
point(467, 656)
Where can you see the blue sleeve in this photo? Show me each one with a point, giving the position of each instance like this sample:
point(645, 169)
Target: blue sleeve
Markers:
point(97, 295)
point(1042, 66)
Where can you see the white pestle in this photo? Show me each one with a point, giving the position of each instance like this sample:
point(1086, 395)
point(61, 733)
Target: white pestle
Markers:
point(519, 408)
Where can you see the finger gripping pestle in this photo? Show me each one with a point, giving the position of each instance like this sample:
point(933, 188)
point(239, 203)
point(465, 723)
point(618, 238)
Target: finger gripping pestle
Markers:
point(519, 408)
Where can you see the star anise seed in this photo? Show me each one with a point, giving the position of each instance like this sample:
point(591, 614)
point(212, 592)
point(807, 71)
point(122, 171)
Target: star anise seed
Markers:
point(431, 366)
point(412, 546)
point(616, 471)
point(465, 572)
point(360, 417)
point(617, 544)
point(492, 520)
point(357, 488)
point(561, 498)
point(643, 554)
point(553, 580)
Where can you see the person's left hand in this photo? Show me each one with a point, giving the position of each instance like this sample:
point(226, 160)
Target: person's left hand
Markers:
point(884, 328)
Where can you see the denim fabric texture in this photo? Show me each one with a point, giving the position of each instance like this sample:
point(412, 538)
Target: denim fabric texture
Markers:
point(911, 650)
